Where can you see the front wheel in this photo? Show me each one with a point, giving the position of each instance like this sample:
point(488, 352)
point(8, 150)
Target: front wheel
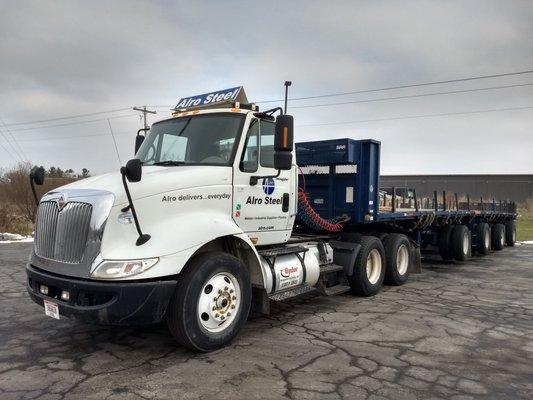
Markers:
point(211, 302)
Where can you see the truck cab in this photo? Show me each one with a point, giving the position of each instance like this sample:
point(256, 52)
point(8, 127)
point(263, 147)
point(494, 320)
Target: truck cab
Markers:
point(218, 183)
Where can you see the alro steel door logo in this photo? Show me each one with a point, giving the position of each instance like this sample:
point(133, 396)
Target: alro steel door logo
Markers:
point(268, 186)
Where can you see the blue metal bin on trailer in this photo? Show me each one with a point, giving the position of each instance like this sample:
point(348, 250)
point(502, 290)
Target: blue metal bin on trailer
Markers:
point(341, 177)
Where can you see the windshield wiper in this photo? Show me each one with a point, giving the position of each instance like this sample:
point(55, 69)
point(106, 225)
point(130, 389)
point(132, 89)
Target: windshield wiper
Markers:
point(170, 163)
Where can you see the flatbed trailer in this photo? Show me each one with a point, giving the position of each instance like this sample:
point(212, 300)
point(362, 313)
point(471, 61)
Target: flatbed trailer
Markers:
point(341, 177)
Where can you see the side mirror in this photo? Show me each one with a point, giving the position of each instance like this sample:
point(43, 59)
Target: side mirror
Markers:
point(37, 176)
point(133, 170)
point(283, 142)
point(139, 139)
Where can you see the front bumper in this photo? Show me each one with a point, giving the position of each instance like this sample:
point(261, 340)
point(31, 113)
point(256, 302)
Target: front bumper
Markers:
point(104, 302)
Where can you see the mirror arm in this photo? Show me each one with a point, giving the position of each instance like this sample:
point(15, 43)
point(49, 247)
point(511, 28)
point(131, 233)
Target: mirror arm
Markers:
point(142, 130)
point(254, 179)
point(143, 238)
point(32, 184)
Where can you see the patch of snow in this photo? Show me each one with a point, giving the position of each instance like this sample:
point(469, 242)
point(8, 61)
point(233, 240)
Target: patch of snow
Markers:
point(526, 242)
point(14, 238)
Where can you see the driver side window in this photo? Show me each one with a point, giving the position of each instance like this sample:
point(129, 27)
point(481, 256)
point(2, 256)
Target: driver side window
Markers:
point(249, 161)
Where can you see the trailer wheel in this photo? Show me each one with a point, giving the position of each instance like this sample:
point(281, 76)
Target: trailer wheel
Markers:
point(211, 302)
point(461, 243)
point(510, 233)
point(498, 236)
point(369, 269)
point(483, 238)
point(398, 259)
point(445, 242)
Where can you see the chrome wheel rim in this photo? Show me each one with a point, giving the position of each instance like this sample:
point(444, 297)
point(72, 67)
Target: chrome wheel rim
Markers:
point(219, 301)
point(487, 239)
point(402, 259)
point(373, 266)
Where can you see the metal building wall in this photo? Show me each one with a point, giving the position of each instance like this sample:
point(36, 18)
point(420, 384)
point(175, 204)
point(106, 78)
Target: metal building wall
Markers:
point(517, 188)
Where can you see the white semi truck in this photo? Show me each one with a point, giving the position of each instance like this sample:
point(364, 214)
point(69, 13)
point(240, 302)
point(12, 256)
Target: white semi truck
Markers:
point(208, 221)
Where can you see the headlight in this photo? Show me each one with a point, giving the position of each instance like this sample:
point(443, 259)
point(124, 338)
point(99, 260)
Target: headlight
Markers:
point(120, 269)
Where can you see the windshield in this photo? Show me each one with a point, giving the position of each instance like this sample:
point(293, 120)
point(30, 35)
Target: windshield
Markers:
point(200, 139)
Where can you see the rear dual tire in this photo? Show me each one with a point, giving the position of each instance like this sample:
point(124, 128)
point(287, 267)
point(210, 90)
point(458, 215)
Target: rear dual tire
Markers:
point(398, 258)
point(483, 239)
point(369, 270)
point(498, 237)
point(455, 243)
point(510, 233)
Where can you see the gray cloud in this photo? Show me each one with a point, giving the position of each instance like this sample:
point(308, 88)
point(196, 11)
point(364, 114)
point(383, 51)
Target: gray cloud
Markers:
point(61, 58)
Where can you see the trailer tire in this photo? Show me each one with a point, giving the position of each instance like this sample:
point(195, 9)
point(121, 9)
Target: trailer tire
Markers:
point(445, 242)
point(510, 233)
point(210, 286)
point(398, 258)
point(369, 269)
point(461, 243)
point(483, 238)
point(498, 236)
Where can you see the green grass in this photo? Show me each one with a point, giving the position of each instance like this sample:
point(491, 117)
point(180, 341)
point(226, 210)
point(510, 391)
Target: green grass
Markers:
point(524, 228)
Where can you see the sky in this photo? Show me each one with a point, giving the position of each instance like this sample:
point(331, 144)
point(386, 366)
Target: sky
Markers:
point(66, 58)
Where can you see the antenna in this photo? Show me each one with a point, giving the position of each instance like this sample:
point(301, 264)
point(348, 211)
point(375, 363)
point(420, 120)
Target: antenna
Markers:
point(287, 84)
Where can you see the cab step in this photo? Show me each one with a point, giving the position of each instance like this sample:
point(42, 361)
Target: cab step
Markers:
point(334, 290)
point(329, 268)
point(280, 251)
point(297, 291)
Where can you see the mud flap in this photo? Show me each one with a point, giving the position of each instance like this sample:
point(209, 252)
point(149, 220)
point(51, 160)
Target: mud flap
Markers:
point(345, 253)
point(260, 301)
point(415, 266)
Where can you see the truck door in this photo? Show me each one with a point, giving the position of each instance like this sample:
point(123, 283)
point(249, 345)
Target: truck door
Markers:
point(265, 210)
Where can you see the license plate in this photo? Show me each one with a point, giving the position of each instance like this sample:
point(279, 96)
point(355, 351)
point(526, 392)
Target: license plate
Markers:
point(51, 309)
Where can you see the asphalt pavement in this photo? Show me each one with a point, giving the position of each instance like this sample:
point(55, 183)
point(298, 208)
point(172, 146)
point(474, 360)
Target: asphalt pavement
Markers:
point(455, 331)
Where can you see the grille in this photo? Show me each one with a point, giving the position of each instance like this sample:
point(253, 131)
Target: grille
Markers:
point(62, 235)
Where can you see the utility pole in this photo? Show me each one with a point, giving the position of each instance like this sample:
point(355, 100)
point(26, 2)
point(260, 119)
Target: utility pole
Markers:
point(144, 111)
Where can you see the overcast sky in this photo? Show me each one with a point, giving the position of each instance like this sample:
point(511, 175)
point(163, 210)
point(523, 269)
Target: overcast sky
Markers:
point(66, 58)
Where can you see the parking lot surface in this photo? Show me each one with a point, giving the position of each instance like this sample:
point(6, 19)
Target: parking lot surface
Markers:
point(456, 331)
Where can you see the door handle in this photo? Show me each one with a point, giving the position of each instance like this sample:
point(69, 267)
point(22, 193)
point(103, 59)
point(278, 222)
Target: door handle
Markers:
point(285, 202)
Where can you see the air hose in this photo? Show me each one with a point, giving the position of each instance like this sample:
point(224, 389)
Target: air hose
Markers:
point(310, 217)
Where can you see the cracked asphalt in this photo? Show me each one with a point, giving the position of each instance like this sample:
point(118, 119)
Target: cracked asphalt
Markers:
point(456, 331)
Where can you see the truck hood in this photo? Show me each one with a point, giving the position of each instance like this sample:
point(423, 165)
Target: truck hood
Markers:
point(155, 180)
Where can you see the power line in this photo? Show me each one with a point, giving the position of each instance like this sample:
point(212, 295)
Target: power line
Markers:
point(401, 86)
point(8, 152)
point(418, 116)
point(19, 150)
point(68, 117)
point(77, 136)
point(73, 123)
point(414, 96)
point(114, 141)
point(13, 148)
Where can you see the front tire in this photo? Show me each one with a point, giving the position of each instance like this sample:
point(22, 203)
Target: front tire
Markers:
point(211, 302)
point(369, 269)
